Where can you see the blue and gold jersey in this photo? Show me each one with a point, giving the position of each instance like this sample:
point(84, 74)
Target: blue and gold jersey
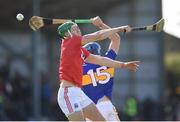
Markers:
point(98, 80)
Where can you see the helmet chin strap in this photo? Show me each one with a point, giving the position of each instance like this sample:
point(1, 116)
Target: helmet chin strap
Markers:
point(70, 33)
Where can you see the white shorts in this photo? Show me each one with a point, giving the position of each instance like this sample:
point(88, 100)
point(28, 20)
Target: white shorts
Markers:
point(72, 99)
point(108, 110)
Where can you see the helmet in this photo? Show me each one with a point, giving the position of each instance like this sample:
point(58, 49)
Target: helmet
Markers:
point(93, 47)
point(62, 29)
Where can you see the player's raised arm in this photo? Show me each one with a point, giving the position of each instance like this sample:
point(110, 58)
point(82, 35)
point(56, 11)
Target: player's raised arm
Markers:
point(115, 38)
point(104, 61)
point(103, 34)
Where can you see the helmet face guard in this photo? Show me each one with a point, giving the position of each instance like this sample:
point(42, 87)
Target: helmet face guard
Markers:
point(93, 48)
point(62, 29)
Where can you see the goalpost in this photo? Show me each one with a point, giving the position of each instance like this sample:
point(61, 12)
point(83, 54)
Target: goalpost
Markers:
point(171, 14)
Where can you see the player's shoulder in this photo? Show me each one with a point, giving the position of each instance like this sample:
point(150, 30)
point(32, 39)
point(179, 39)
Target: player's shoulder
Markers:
point(90, 65)
point(110, 52)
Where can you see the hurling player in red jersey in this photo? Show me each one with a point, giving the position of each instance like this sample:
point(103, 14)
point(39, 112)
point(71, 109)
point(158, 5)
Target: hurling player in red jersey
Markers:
point(71, 99)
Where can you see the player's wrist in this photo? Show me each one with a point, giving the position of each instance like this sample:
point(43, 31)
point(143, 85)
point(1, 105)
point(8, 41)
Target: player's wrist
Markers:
point(120, 29)
point(101, 26)
point(123, 65)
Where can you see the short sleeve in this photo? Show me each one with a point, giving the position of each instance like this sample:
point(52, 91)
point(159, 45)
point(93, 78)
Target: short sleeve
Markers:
point(85, 52)
point(111, 54)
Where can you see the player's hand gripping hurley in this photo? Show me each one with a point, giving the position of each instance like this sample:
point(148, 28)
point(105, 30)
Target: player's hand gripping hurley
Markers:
point(36, 22)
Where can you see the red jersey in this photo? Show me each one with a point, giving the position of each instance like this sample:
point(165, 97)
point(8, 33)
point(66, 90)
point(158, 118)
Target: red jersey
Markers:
point(71, 60)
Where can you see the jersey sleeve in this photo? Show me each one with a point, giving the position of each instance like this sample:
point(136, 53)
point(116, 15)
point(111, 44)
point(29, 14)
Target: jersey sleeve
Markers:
point(111, 54)
point(85, 52)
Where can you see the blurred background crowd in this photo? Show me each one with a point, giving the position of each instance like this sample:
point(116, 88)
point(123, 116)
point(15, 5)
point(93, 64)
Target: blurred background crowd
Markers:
point(29, 61)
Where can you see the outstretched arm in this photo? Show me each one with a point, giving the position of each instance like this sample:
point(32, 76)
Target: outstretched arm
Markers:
point(115, 38)
point(104, 61)
point(103, 34)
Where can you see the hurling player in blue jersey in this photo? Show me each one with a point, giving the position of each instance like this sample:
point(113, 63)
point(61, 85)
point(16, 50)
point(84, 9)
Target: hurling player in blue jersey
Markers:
point(98, 80)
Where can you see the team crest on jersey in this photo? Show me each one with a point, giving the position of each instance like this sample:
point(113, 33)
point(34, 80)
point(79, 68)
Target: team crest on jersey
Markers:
point(82, 55)
point(76, 105)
